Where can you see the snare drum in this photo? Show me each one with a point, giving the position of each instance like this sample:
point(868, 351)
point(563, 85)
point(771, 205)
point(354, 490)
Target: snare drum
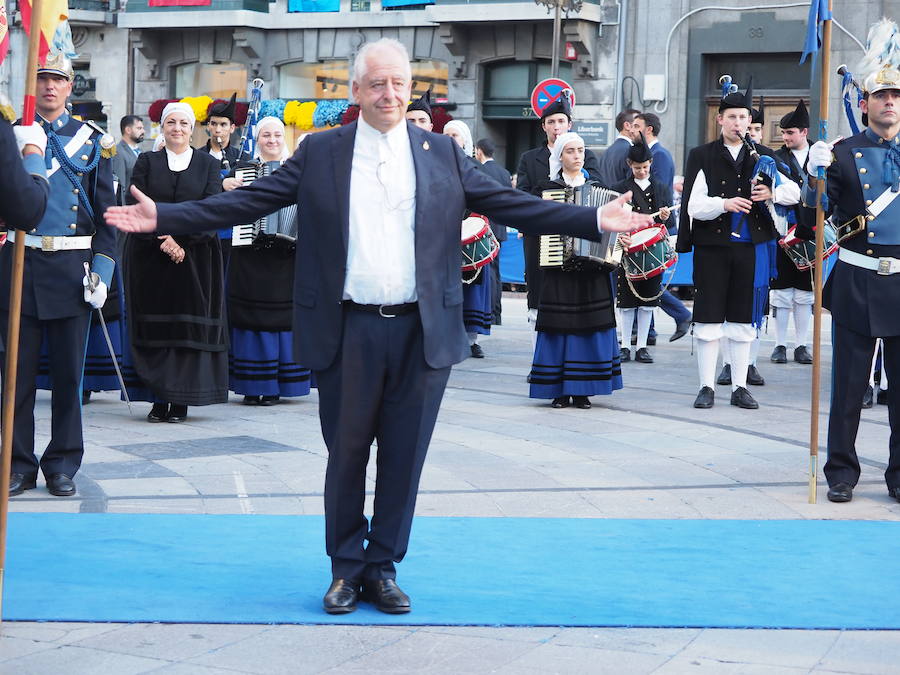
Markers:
point(479, 245)
point(802, 252)
point(650, 253)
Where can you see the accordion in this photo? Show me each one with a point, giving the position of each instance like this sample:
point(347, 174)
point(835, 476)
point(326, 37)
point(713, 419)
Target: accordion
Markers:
point(245, 235)
point(573, 253)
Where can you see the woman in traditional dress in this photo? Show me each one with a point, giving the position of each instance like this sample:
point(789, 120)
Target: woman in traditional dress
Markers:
point(577, 354)
point(174, 286)
point(641, 297)
point(477, 308)
point(260, 294)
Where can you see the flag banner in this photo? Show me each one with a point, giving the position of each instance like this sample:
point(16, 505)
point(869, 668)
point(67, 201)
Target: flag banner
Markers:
point(818, 12)
point(314, 5)
point(179, 3)
point(55, 11)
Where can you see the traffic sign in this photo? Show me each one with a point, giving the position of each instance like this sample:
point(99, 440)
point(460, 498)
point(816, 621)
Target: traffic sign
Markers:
point(550, 90)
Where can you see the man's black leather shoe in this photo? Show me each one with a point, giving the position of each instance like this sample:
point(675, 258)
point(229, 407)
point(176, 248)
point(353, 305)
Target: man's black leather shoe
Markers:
point(18, 483)
point(681, 329)
point(642, 355)
point(868, 398)
point(341, 597)
point(842, 492)
point(705, 398)
point(742, 399)
point(60, 485)
point(802, 355)
point(753, 376)
point(725, 376)
point(476, 351)
point(779, 354)
point(894, 493)
point(560, 402)
point(624, 355)
point(386, 595)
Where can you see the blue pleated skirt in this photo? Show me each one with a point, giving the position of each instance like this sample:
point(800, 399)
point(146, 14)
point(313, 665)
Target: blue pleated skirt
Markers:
point(477, 308)
point(575, 365)
point(261, 364)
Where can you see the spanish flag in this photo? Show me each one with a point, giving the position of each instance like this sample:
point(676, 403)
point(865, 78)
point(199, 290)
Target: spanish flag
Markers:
point(54, 12)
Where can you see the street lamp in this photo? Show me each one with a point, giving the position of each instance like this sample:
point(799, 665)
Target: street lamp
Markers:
point(558, 7)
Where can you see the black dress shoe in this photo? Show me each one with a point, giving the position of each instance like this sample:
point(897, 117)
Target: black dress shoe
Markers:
point(651, 340)
point(894, 493)
point(158, 413)
point(18, 483)
point(341, 597)
point(802, 355)
point(251, 400)
point(642, 355)
point(742, 399)
point(560, 402)
point(725, 376)
point(60, 485)
point(269, 400)
point(624, 355)
point(582, 402)
point(477, 351)
point(881, 398)
point(753, 376)
point(681, 329)
point(706, 398)
point(842, 492)
point(177, 413)
point(868, 398)
point(779, 354)
point(386, 595)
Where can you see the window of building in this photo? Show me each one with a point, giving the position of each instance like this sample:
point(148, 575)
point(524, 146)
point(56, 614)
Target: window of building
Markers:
point(360, 5)
point(217, 80)
point(329, 79)
point(430, 74)
point(508, 86)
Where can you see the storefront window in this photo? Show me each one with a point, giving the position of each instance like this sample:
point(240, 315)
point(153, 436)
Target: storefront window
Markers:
point(430, 74)
point(314, 80)
point(217, 80)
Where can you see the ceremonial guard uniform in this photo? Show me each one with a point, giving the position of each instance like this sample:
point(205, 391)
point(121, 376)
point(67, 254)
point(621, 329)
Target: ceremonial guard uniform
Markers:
point(641, 296)
point(863, 290)
point(54, 304)
point(532, 172)
point(733, 249)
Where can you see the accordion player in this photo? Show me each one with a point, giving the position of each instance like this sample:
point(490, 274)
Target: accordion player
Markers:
point(573, 253)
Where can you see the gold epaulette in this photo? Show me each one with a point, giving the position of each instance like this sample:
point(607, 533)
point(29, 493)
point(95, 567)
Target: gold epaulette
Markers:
point(6, 109)
point(107, 142)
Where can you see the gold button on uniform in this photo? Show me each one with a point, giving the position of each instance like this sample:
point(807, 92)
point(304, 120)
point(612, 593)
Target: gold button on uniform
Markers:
point(84, 158)
point(72, 226)
point(75, 207)
point(858, 155)
point(869, 251)
point(863, 170)
point(90, 142)
point(75, 191)
point(871, 235)
point(868, 202)
point(870, 218)
point(865, 186)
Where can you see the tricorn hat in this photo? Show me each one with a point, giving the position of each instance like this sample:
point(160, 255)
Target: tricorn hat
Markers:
point(797, 118)
point(640, 152)
point(560, 105)
point(758, 115)
point(223, 108)
point(422, 103)
point(735, 99)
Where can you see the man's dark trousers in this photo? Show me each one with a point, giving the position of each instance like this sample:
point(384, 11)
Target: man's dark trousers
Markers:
point(65, 348)
point(379, 388)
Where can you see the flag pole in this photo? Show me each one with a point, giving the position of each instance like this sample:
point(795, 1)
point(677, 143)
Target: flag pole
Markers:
point(820, 246)
point(15, 303)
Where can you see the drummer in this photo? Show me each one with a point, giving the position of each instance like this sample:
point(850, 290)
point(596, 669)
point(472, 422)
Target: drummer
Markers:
point(642, 296)
point(576, 355)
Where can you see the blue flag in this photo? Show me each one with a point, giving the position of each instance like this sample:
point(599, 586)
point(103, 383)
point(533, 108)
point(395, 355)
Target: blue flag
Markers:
point(818, 12)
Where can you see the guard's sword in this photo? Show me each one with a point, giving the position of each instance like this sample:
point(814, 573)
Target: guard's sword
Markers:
point(92, 285)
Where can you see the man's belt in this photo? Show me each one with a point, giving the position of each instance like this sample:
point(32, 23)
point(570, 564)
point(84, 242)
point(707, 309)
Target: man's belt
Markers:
point(386, 311)
point(54, 243)
point(881, 265)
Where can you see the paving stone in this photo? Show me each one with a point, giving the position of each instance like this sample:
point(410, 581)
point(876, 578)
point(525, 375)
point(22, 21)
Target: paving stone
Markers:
point(176, 641)
point(80, 660)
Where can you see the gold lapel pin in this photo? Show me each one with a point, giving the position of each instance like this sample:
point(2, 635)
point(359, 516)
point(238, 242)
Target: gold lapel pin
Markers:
point(425, 146)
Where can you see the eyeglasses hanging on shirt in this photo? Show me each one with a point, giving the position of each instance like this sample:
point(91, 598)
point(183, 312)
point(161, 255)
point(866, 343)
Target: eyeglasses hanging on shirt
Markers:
point(397, 196)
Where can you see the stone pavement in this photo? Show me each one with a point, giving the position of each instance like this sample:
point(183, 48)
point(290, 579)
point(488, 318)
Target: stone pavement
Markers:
point(642, 453)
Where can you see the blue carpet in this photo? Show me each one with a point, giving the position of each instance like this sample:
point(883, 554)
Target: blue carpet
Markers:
point(462, 571)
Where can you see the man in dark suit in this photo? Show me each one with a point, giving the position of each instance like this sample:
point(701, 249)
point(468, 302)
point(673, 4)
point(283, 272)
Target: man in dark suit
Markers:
point(613, 165)
point(484, 153)
point(57, 296)
point(127, 151)
point(533, 170)
point(378, 275)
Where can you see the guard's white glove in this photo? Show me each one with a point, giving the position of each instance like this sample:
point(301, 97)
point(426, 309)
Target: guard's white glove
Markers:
point(819, 157)
point(95, 298)
point(33, 134)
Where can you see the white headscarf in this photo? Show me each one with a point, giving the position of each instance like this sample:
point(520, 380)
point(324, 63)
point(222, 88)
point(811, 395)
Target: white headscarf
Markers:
point(468, 145)
point(556, 153)
point(178, 106)
point(265, 122)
